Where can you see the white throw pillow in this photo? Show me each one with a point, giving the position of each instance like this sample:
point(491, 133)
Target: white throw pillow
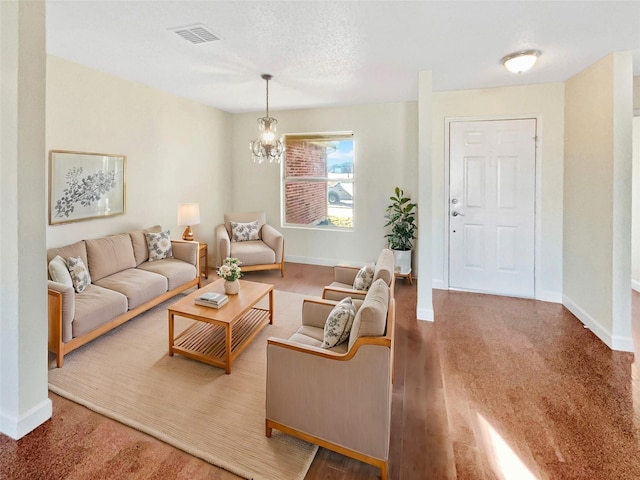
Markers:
point(79, 274)
point(243, 232)
point(159, 245)
point(364, 278)
point(338, 324)
point(59, 272)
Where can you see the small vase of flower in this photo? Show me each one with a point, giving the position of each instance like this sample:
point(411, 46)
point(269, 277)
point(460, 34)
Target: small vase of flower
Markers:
point(231, 272)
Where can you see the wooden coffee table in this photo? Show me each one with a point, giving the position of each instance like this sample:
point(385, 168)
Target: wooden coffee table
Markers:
point(220, 334)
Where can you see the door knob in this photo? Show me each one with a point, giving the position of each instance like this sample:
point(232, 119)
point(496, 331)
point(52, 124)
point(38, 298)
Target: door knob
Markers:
point(454, 200)
point(455, 214)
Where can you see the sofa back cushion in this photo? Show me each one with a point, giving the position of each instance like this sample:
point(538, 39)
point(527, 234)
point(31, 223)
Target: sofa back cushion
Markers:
point(371, 317)
point(139, 242)
point(245, 217)
point(77, 249)
point(385, 266)
point(109, 255)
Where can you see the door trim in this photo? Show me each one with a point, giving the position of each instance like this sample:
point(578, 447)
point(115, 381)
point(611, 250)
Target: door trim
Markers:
point(537, 248)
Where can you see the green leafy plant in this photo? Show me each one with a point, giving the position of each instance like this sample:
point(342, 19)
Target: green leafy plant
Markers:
point(400, 215)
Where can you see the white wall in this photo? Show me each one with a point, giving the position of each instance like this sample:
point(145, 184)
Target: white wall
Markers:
point(177, 150)
point(24, 402)
point(385, 139)
point(597, 199)
point(543, 101)
point(635, 209)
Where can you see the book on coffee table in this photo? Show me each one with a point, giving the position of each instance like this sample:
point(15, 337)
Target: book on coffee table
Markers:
point(211, 299)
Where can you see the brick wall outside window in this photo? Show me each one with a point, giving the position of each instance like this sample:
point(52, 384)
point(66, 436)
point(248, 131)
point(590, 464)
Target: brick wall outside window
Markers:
point(306, 202)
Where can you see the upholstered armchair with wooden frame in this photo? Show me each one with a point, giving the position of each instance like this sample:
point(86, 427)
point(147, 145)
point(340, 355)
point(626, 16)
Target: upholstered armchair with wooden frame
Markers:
point(337, 398)
point(345, 275)
point(263, 250)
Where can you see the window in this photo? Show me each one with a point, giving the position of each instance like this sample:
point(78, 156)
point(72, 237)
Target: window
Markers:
point(318, 180)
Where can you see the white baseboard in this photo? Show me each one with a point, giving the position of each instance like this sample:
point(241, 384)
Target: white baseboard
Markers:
point(425, 314)
point(18, 427)
point(635, 285)
point(623, 344)
point(554, 297)
point(439, 285)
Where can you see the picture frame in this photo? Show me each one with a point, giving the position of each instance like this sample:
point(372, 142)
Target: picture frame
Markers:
point(85, 185)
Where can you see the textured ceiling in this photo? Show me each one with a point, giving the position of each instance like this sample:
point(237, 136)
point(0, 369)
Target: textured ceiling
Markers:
point(336, 53)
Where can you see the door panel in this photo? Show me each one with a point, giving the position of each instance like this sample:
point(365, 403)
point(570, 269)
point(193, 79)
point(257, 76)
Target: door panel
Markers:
point(492, 206)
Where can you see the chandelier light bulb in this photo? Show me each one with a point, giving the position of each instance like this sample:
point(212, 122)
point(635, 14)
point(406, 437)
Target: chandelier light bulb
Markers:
point(267, 145)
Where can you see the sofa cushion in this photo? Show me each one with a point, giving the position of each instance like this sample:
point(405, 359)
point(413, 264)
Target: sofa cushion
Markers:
point(137, 285)
point(109, 255)
point(159, 245)
point(338, 324)
point(371, 317)
point(244, 232)
point(94, 307)
point(364, 278)
point(385, 266)
point(139, 243)
point(253, 252)
point(79, 274)
point(313, 336)
point(59, 272)
point(77, 249)
point(176, 271)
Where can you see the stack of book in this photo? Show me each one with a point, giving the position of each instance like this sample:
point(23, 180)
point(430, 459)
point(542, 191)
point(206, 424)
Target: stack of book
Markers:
point(212, 299)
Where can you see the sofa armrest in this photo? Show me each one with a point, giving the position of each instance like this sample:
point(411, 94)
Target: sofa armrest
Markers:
point(186, 251)
point(344, 399)
point(338, 293)
point(222, 244)
point(316, 311)
point(345, 274)
point(274, 239)
point(61, 310)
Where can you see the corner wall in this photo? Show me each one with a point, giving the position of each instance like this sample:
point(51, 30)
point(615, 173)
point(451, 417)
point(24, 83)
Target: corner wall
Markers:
point(177, 150)
point(597, 199)
point(385, 139)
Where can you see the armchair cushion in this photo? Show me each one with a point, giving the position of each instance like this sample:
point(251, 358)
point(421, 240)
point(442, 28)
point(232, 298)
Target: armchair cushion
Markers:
point(159, 245)
point(59, 272)
point(243, 232)
point(364, 278)
point(371, 318)
point(79, 274)
point(338, 324)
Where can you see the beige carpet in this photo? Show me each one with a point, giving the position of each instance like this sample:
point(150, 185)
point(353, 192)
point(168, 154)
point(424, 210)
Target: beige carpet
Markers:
point(127, 375)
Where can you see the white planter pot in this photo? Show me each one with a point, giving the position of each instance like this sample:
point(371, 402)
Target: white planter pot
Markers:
point(403, 261)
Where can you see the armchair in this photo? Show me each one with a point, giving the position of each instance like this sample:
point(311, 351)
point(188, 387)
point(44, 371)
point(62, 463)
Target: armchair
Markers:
point(344, 277)
point(264, 253)
point(337, 398)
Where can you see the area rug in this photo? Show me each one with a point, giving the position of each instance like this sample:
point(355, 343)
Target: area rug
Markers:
point(128, 376)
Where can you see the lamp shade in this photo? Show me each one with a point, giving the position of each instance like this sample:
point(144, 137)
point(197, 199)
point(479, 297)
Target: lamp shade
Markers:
point(189, 214)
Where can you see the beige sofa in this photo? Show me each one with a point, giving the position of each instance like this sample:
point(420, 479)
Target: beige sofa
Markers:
point(337, 398)
point(124, 283)
point(344, 276)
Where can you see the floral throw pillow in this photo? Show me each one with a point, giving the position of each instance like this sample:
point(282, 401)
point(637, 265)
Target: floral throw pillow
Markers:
point(79, 274)
point(243, 232)
point(159, 245)
point(364, 278)
point(338, 325)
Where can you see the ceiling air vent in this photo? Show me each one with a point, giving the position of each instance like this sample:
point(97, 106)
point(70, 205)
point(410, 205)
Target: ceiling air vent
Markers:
point(196, 34)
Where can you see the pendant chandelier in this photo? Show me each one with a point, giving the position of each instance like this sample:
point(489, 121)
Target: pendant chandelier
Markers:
point(266, 145)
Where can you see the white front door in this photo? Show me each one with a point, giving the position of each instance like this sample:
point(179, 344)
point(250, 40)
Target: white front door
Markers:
point(492, 206)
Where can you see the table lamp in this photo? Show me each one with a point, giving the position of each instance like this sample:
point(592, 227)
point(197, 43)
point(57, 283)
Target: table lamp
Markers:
point(188, 214)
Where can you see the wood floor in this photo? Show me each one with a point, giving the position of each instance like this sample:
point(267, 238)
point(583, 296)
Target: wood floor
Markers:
point(496, 388)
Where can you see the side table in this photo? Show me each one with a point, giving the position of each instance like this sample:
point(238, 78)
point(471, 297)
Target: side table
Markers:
point(204, 260)
point(405, 275)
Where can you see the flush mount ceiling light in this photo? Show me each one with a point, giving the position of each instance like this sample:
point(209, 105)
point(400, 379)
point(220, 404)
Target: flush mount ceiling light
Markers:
point(520, 62)
point(267, 146)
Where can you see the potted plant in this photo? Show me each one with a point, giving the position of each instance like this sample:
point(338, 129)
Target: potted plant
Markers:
point(400, 215)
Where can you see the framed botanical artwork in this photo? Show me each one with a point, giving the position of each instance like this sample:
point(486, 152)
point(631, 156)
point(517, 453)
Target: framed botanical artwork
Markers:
point(85, 185)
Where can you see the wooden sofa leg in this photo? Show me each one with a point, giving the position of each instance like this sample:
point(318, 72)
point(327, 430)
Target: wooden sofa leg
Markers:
point(268, 429)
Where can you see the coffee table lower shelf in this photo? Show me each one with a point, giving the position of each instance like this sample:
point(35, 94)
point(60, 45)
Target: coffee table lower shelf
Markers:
point(207, 342)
